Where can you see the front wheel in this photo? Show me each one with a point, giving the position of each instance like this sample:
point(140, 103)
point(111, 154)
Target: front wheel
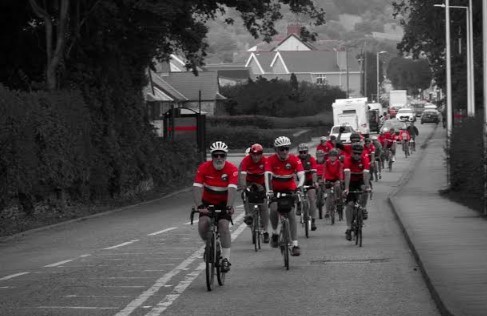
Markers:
point(210, 256)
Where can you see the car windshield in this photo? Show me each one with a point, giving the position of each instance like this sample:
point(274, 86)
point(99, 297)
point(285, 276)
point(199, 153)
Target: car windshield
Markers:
point(395, 123)
point(405, 111)
point(336, 129)
point(430, 112)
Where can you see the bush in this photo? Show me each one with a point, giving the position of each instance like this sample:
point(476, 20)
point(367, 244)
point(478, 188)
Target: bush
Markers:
point(270, 122)
point(279, 98)
point(467, 163)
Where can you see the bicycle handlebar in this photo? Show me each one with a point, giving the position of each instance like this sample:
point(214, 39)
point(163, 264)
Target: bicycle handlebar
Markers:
point(211, 212)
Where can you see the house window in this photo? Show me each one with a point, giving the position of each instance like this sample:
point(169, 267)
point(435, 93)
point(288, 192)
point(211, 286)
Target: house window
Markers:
point(321, 79)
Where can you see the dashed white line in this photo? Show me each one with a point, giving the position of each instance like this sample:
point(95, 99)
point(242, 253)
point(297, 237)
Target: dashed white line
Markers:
point(8, 277)
point(168, 300)
point(75, 307)
point(190, 277)
point(162, 231)
point(121, 245)
point(52, 265)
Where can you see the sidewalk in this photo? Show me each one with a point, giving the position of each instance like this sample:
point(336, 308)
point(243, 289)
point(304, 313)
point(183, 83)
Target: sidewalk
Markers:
point(449, 240)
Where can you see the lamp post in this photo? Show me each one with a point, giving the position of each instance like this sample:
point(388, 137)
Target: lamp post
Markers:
point(378, 82)
point(470, 64)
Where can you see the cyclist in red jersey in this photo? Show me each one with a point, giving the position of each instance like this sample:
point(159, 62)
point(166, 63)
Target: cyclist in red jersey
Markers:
point(333, 174)
point(310, 169)
point(356, 170)
point(280, 170)
point(320, 161)
point(346, 149)
point(215, 184)
point(252, 169)
point(322, 145)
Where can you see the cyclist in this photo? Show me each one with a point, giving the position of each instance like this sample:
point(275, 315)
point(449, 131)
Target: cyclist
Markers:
point(379, 155)
point(320, 161)
point(333, 175)
point(216, 184)
point(327, 145)
point(346, 149)
point(370, 149)
point(390, 141)
point(309, 165)
point(280, 170)
point(252, 170)
point(356, 170)
point(405, 138)
point(322, 145)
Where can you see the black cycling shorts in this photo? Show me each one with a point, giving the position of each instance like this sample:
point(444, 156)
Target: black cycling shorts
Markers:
point(226, 216)
point(354, 186)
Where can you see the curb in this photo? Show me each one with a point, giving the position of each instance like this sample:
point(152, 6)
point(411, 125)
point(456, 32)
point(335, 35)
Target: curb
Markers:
point(395, 209)
point(30, 231)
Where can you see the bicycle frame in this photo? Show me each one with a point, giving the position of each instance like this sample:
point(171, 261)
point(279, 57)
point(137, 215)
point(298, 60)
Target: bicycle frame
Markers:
point(285, 243)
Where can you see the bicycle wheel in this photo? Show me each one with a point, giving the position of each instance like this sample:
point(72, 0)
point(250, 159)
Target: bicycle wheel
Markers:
point(284, 242)
point(210, 256)
point(307, 218)
point(332, 215)
point(319, 203)
point(220, 276)
point(359, 227)
point(257, 231)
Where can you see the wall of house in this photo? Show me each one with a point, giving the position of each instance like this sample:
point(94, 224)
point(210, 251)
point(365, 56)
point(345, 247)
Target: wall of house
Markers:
point(292, 44)
point(254, 67)
point(278, 67)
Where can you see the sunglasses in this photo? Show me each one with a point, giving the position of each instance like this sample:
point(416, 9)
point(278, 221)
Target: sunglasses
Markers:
point(218, 155)
point(283, 149)
point(303, 152)
point(357, 154)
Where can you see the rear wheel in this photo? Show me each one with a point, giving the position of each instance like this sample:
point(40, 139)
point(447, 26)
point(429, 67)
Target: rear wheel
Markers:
point(359, 228)
point(307, 219)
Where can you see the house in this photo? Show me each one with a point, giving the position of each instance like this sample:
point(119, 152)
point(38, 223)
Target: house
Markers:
point(171, 85)
point(324, 62)
point(333, 68)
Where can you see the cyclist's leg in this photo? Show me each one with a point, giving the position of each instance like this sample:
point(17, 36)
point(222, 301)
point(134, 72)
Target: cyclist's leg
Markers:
point(274, 219)
point(226, 242)
point(312, 207)
point(203, 227)
point(264, 221)
point(329, 201)
point(293, 227)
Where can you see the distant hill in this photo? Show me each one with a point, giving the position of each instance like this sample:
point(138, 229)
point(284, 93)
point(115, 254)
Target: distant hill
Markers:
point(351, 21)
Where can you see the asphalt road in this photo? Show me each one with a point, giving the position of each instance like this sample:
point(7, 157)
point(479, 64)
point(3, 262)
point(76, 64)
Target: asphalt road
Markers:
point(147, 260)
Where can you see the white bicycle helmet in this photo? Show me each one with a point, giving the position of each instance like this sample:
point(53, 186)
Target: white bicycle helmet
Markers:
point(219, 146)
point(282, 141)
point(323, 139)
point(303, 147)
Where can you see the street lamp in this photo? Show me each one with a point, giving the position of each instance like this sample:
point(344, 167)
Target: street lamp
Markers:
point(378, 82)
point(470, 64)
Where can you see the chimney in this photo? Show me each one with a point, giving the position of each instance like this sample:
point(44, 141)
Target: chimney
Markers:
point(294, 29)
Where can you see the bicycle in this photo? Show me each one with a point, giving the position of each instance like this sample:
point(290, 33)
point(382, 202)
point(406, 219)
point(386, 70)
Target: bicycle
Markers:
point(405, 148)
point(285, 203)
point(304, 208)
point(357, 218)
point(412, 145)
point(320, 199)
point(257, 199)
point(212, 254)
point(333, 202)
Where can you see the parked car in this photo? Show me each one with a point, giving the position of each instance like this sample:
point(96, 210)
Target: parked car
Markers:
point(430, 116)
point(406, 114)
point(345, 137)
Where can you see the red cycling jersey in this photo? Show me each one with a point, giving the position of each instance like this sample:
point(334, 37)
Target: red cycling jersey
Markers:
point(310, 167)
point(215, 183)
point(283, 172)
point(405, 135)
point(357, 168)
point(369, 149)
point(254, 171)
point(333, 170)
point(319, 169)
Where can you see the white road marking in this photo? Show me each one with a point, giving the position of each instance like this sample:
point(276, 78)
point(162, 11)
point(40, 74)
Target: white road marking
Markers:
point(121, 245)
point(162, 231)
point(75, 307)
point(8, 277)
point(190, 277)
point(52, 265)
point(6, 287)
point(161, 282)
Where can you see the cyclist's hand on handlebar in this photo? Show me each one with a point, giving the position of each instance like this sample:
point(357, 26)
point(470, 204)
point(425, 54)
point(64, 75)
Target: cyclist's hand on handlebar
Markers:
point(345, 193)
point(367, 189)
point(202, 209)
point(230, 210)
point(269, 194)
